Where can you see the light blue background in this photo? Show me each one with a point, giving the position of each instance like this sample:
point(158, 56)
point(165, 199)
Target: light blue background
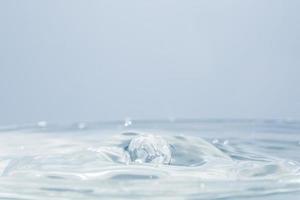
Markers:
point(106, 60)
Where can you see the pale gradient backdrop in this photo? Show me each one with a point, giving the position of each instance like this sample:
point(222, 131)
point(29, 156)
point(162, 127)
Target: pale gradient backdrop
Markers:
point(148, 59)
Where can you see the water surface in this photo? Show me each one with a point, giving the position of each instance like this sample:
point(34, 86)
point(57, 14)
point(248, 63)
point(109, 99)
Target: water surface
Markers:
point(183, 159)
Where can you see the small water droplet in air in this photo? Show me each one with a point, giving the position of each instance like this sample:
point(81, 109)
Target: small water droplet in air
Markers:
point(215, 141)
point(127, 122)
point(42, 124)
point(81, 125)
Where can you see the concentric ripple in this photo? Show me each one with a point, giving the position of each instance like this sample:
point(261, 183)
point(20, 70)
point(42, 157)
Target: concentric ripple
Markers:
point(191, 160)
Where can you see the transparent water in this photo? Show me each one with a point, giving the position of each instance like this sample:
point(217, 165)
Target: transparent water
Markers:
point(191, 159)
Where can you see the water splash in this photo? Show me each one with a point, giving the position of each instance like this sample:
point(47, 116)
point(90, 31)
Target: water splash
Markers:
point(149, 149)
point(37, 164)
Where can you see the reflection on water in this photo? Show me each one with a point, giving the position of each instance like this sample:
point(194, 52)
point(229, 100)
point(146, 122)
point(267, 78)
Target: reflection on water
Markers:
point(148, 160)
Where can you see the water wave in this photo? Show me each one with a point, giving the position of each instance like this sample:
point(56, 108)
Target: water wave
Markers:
point(159, 163)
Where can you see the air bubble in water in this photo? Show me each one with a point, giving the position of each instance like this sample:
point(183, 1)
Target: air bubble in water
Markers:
point(149, 149)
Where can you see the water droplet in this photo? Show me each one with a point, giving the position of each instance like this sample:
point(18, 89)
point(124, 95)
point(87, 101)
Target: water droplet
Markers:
point(149, 149)
point(215, 141)
point(127, 122)
point(42, 124)
point(81, 125)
